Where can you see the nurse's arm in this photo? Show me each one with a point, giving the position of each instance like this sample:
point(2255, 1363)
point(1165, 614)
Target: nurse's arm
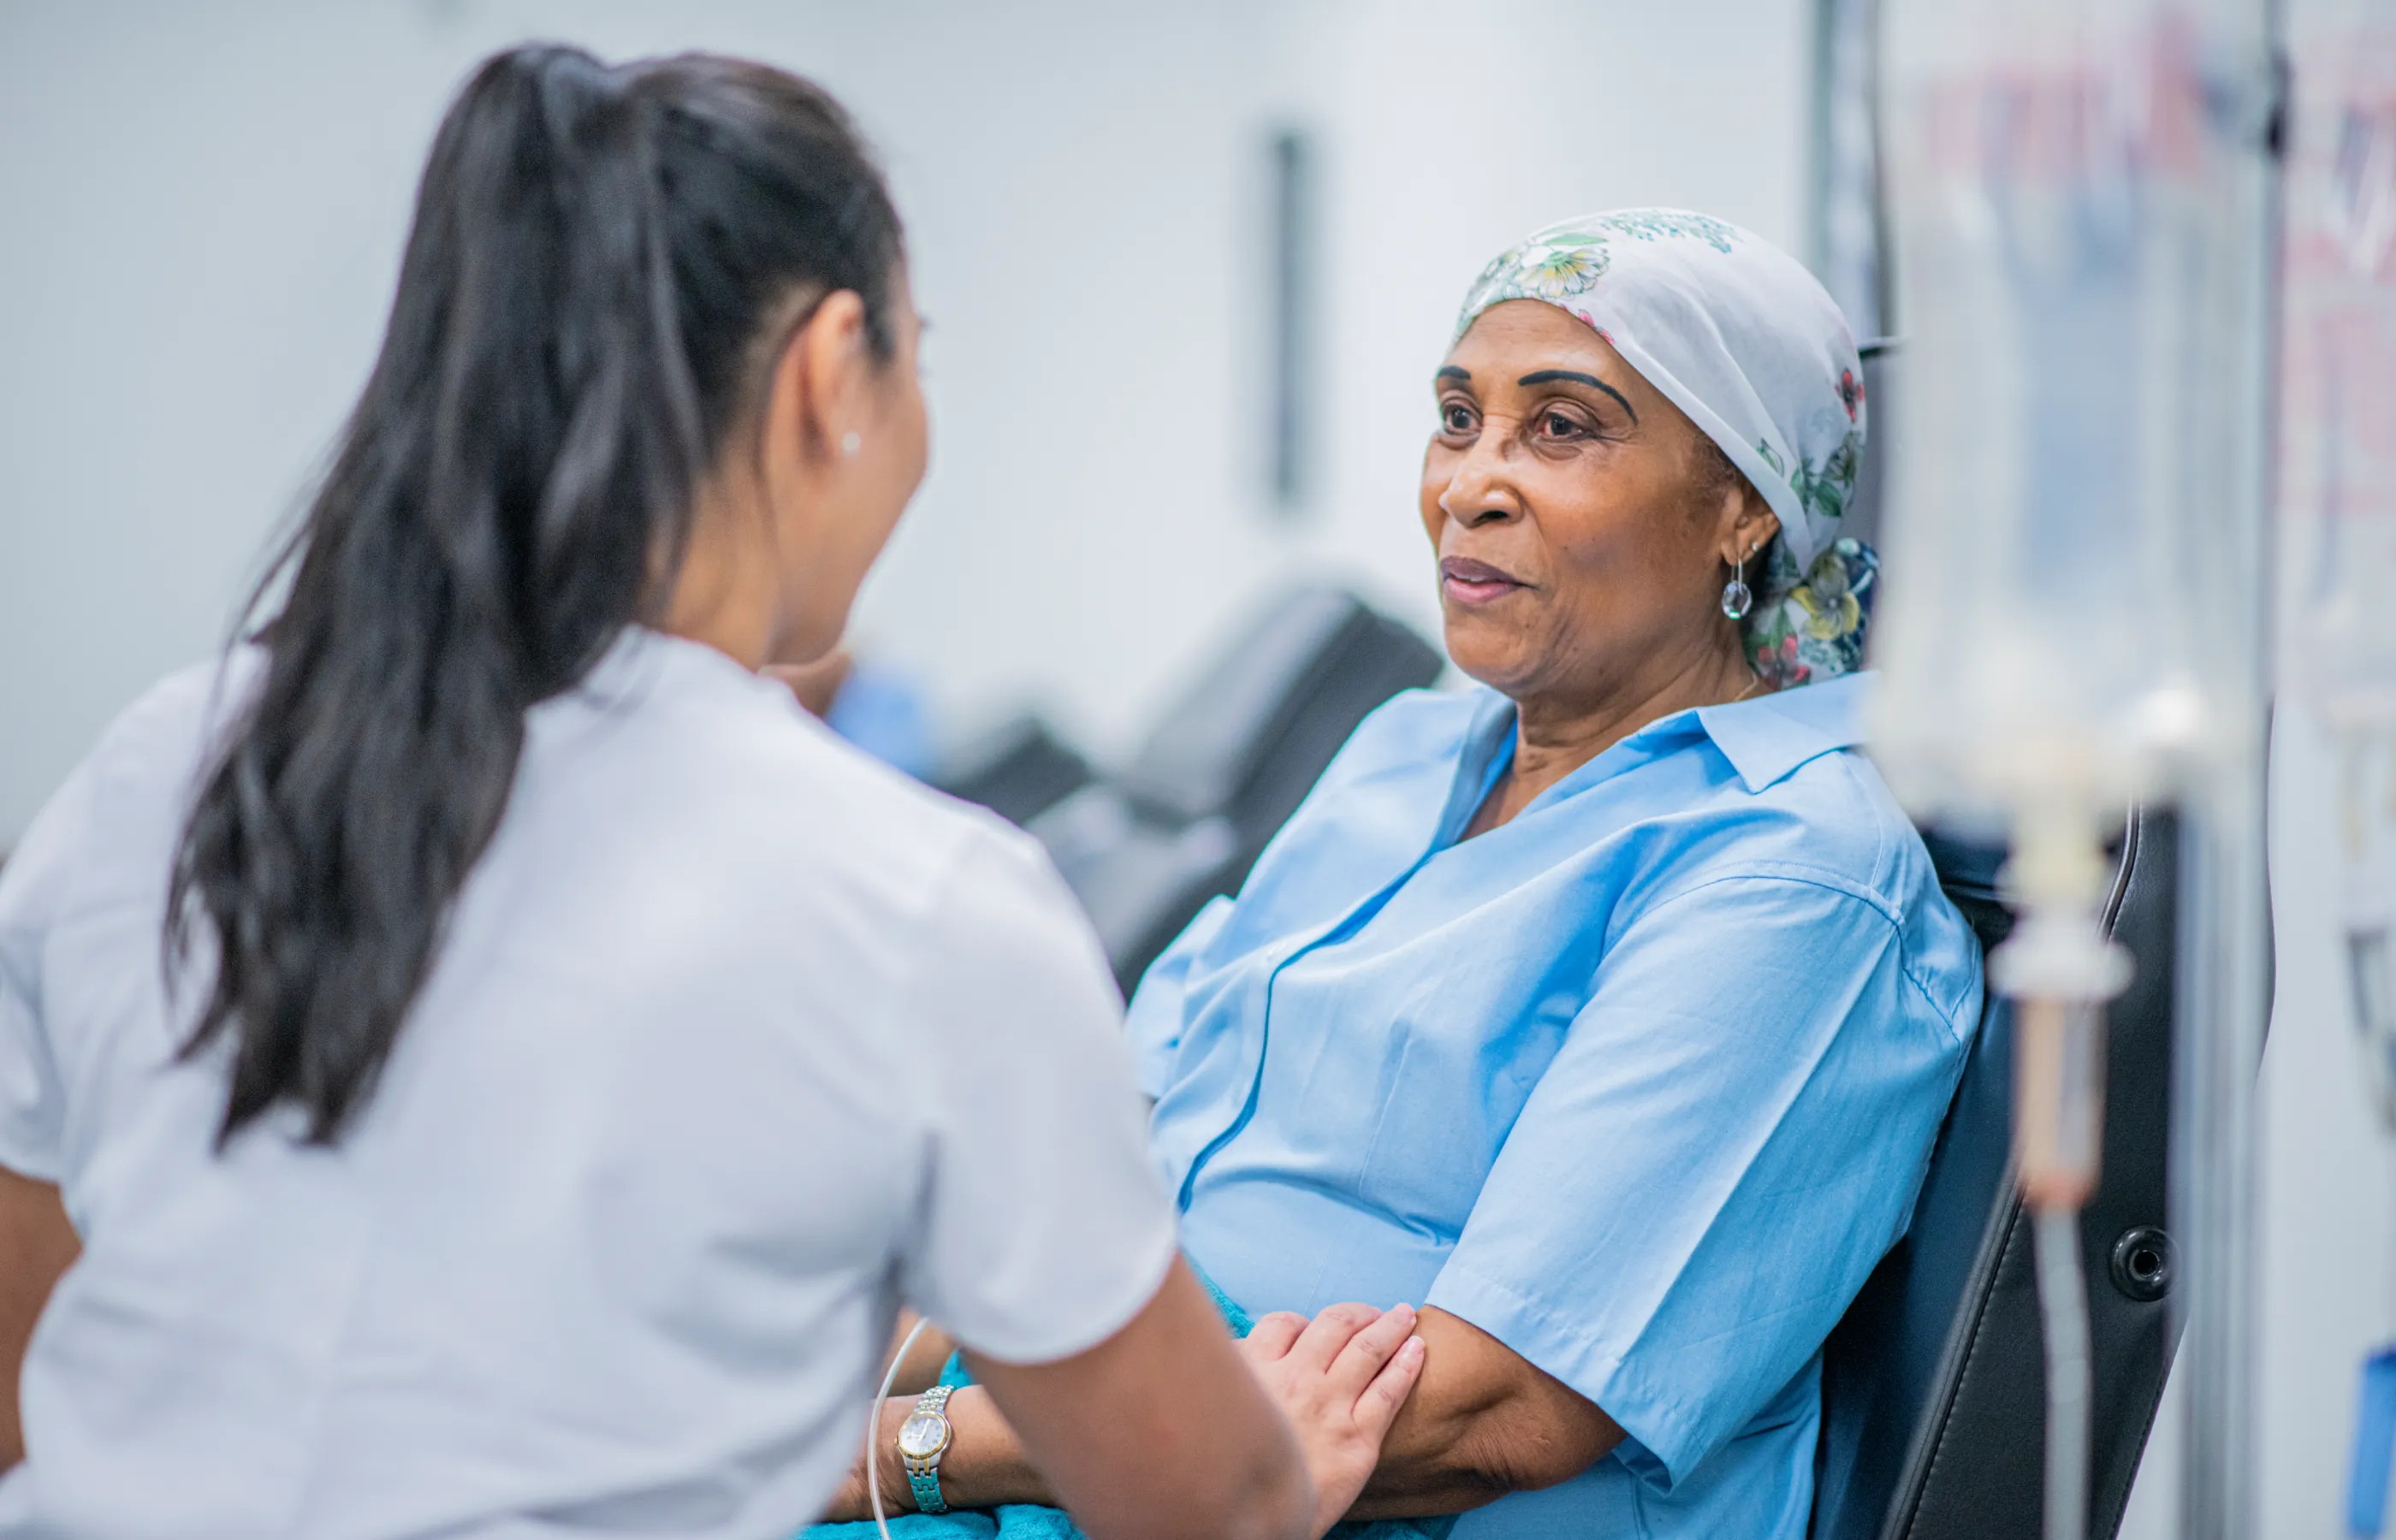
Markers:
point(36, 1245)
point(1147, 1434)
point(925, 1360)
point(1482, 1422)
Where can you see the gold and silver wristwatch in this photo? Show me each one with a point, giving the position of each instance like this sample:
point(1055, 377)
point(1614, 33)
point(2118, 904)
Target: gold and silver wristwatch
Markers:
point(923, 1440)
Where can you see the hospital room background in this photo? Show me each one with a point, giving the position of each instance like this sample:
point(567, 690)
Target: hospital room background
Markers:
point(201, 208)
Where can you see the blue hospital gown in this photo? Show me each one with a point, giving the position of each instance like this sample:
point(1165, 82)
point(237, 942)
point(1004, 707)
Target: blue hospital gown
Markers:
point(1643, 1083)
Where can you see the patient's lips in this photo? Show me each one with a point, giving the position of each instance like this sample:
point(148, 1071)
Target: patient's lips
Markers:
point(1470, 582)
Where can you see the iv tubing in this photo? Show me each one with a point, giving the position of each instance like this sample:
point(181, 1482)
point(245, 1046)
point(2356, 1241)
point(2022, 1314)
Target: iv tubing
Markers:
point(2060, 967)
point(2063, 1303)
point(873, 1429)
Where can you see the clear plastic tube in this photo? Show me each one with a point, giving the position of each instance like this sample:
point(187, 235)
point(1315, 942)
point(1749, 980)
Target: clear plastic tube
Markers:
point(2059, 1101)
point(2063, 1310)
point(873, 1428)
point(2059, 968)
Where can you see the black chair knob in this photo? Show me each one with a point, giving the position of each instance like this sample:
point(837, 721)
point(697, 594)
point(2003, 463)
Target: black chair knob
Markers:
point(2144, 1260)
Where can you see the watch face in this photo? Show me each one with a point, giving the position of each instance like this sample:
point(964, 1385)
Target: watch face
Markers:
point(922, 1436)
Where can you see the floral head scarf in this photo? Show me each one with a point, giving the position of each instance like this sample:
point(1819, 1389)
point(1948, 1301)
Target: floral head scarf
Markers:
point(1737, 334)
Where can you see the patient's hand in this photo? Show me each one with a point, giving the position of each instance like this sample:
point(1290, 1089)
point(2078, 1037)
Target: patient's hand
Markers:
point(1340, 1380)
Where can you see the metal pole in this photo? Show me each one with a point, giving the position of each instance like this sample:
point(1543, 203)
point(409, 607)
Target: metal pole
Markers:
point(2223, 957)
point(2221, 990)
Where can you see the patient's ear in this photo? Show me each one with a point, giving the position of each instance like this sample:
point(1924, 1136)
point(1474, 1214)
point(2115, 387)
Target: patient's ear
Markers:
point(1751, 524)
point(1765, 523)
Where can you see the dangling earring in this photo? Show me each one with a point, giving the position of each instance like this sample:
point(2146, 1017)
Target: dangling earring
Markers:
point(1737, 597)
point(850, 444)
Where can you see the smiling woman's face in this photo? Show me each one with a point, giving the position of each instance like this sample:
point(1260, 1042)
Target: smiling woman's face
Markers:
point(1581, 520)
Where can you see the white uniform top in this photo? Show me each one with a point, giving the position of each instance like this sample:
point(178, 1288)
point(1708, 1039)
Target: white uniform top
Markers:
point(738, 1040)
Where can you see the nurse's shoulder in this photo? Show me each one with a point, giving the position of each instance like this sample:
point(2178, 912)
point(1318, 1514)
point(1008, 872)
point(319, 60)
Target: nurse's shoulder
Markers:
point(716, 784)
point(108, 829)
point(750, 734)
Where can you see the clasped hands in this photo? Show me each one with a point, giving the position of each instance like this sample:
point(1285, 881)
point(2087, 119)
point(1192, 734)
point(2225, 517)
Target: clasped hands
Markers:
point(1339, 1380)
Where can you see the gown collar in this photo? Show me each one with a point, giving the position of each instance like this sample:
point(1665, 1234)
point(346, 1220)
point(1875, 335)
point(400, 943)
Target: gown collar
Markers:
point(1765, 740)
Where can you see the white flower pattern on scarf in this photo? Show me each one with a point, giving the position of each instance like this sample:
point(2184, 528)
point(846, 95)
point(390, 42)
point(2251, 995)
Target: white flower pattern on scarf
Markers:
point(1742, 339)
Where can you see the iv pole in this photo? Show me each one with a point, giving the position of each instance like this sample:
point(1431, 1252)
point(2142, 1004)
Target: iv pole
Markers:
point(2089, 200)
point(2224, 945)
point(2221, 990)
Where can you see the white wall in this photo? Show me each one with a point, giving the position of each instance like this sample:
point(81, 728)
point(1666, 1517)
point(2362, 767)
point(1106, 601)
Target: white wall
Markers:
point(205, 207)
point(200, 212)
point(2327, 1192)
point(2328, 1186)
point(1448, 139)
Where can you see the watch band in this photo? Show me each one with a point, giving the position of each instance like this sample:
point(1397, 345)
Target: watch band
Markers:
point(924, 1471)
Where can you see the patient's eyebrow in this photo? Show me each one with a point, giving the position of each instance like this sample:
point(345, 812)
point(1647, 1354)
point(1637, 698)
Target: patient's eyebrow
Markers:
point(1449, 371)
point(1548, 377)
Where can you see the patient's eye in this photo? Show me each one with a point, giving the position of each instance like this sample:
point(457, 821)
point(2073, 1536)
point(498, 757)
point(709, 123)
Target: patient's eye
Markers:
point(1455, 417)
point(1558, 424)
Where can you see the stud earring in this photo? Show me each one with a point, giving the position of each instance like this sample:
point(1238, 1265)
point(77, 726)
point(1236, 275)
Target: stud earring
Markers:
point(850, 444)
point(1738, 599)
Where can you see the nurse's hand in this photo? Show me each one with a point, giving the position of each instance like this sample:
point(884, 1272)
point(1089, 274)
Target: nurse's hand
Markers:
point(1340, 1379)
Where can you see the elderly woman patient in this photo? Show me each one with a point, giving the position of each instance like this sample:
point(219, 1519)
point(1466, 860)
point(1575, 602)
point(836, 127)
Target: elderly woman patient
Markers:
point(1607, 1011)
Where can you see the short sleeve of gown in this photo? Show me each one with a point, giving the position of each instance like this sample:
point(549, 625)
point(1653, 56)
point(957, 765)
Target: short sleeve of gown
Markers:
point(1043, 1229)
point(32, 1107)
point(1730, 1137)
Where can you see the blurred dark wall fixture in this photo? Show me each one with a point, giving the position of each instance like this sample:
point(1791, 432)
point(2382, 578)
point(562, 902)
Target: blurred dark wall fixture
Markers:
point(1226, 764)
point(1848, 221)
point(1291, 348)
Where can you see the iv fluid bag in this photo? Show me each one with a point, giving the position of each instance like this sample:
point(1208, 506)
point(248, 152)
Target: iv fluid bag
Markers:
point(2069, 613)
point(2337, 445)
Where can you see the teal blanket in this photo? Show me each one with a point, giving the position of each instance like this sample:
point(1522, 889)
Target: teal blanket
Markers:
point(1025, 1522)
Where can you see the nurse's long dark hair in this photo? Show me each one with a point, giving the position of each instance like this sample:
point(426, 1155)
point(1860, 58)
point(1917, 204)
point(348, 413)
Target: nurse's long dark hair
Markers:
point(577, 332)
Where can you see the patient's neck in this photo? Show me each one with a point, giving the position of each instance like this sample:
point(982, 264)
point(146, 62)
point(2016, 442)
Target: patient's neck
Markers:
point(1557, 730)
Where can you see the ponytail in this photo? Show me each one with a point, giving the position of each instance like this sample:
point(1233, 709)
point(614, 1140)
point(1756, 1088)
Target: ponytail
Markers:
point(574, 338)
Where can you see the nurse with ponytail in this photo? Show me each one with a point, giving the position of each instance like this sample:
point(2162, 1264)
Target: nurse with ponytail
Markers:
point(476, 1059)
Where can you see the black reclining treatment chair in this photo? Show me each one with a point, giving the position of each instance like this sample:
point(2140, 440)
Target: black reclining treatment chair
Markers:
point(1227, 766)
point(1018, 769)
point(1934, 1385)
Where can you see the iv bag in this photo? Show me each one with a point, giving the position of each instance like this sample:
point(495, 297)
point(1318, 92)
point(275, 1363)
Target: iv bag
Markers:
point(2071, 618)
point(2337, 446)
